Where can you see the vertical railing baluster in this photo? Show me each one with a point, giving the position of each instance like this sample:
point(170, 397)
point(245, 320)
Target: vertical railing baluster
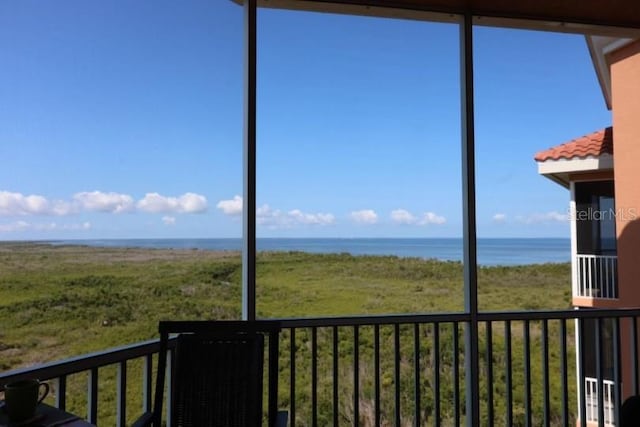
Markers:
point(336, 410)
point(634, 355)
point(564, 372)
point(615, 276)
point(456, 375)
point(416, 374)
point(376, 366)
point(617, 386)
point(527, 374)
point(594, 277)
point(591, 284)
point(292, 376)
point(121, 385)
point(436, 373)
point(610, 276)
point(396, 368)
point(582, 276)
point(587, 276)
point(611, 279)
point(169, 386)
point(545, 371)
point(583, 282)
point(92, 396)
point(600, 279)
point(599, 373)
point(589, 261)
point(581, 377)
point(314, 376)
point(605, 281)
point(61, 392)
point(591, 390)
point(508, 373)
point(489, 361)
point(147, 386)
point(356, 375)
point(610, 268)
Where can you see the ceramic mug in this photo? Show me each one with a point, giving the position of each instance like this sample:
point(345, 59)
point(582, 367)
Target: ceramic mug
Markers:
point(21, 398)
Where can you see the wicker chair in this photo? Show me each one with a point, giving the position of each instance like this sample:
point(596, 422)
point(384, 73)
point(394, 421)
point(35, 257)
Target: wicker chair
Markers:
point(630, 412)
point(216, 374)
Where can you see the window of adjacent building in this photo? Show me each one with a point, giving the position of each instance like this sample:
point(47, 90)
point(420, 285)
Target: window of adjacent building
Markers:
point(595, 218)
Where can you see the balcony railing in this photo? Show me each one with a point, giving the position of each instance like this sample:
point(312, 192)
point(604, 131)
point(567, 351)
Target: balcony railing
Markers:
point(597, 276)
point(396, 370)
point(591, 400)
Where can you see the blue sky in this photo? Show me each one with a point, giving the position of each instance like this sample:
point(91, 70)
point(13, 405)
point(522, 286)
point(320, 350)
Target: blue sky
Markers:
point(124, 120)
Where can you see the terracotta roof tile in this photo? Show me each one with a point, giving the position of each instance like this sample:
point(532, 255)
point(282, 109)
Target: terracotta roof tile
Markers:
point(595, 144)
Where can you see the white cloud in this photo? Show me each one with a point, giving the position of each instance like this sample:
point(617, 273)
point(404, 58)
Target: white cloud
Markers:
point(265, 211)
point(97, 201)
point(231, 207)
point(541, 218)
point(187, 203)
point(310, 218)
point(499, 218)
point(432, 218)
point(169, 220)
point(365, 216)
point(401, 216)
point(275, 218)
point(48, 226)
point(17, 204)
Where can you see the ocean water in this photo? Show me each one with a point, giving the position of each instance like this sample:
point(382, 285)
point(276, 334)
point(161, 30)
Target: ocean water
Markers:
point(491, 251)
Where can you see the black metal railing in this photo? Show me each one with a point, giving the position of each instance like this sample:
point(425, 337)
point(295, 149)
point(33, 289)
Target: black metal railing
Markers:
point(410, 370)
point(121, 357)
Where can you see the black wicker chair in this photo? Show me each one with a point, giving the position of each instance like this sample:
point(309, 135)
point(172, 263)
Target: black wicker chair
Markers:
point(630, 412)
point(216, 374)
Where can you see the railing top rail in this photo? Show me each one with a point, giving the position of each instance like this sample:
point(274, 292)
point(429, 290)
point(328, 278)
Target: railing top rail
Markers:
point(82, 363)
point(597, 256)
point(389, 319)
point(456, 317)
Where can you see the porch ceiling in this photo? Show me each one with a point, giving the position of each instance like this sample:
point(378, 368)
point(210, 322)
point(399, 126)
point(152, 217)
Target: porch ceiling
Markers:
point(575, 15)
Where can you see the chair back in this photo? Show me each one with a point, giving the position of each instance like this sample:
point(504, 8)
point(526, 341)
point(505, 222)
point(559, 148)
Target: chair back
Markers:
point(630, 412)
point(217, 373)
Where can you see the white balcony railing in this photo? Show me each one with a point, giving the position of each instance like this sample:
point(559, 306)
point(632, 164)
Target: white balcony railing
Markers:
point(597, 276)
point(591, 400)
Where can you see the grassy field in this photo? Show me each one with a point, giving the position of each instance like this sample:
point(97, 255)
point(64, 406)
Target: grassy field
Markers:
point(59, 301)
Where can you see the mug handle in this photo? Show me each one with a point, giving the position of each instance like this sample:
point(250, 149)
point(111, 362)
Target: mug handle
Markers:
point(46, 391)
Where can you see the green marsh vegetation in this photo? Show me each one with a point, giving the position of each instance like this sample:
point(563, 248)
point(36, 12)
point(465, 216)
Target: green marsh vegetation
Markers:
point(61, 301)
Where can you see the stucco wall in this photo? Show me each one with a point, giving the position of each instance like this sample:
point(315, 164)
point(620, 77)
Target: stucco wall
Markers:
point(625, 85)
point(625, 81)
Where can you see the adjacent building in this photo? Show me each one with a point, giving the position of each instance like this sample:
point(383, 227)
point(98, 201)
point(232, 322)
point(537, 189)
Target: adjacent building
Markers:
point(601, 170)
